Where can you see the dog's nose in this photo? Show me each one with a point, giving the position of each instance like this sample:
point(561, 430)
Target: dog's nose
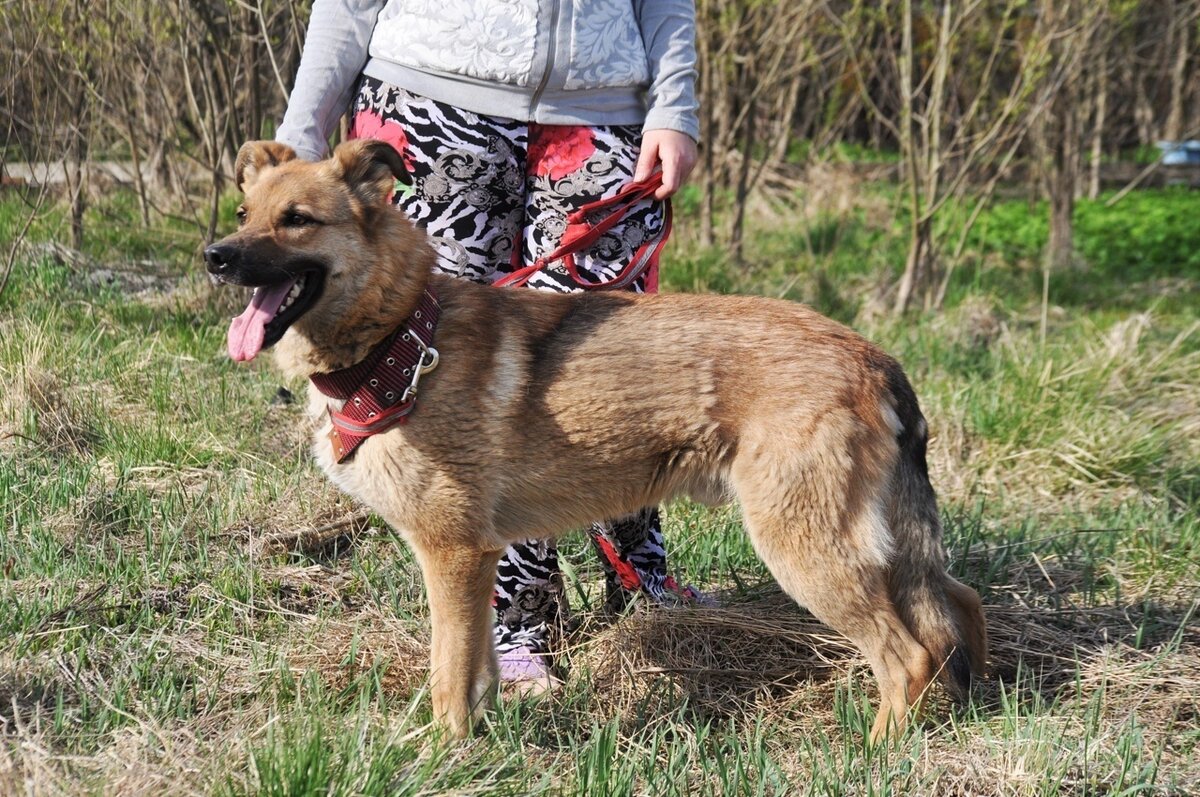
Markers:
point(219, 257)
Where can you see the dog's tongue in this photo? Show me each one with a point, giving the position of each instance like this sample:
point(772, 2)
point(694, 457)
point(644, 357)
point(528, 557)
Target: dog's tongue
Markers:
point(247, 331)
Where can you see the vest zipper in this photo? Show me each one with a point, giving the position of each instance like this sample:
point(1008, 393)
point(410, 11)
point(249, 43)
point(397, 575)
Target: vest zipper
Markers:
point(550, 47)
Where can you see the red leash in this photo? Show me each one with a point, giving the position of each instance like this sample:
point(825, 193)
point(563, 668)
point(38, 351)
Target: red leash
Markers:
point(581, 234)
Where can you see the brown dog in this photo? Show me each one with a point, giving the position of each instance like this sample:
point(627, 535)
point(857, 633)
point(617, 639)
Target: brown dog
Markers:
point(814, 430)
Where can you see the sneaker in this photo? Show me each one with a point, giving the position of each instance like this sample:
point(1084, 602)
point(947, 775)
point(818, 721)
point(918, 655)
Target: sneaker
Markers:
point(525, 673)
point(686, 594)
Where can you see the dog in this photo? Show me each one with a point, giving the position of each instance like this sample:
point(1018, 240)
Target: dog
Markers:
point(513, 398)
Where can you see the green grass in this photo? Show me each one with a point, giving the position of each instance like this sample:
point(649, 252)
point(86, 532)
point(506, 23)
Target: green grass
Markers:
point(151, 644)
point(1148, 241)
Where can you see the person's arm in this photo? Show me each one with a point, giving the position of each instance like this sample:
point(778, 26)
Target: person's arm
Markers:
point(669, 33)
point(672, 125)
point(335, 51)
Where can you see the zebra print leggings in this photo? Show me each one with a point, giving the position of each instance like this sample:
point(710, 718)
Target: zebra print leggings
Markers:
point(493, 194)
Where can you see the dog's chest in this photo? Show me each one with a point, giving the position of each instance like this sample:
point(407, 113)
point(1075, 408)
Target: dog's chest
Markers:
point(384, 477)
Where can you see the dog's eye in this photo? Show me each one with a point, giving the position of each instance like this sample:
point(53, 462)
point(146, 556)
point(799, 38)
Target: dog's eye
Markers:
point(241, 216)
point(297, 220)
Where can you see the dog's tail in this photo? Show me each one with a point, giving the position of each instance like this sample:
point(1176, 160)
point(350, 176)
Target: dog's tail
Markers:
point(944, 615)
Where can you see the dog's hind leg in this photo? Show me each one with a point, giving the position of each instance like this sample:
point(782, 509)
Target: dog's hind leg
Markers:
point(848, 592)
point(817, 517)
point(462, 666)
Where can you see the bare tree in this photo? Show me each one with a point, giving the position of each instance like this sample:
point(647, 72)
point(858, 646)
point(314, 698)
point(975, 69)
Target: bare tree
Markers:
point(957, 85)
point(167, 85)
point(14, 64)
point(760, 63)
point(1098, 90)
point(954, 86)
point(1181, 34)
point(1059, 133)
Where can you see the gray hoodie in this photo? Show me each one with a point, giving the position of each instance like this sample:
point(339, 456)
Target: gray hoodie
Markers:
point(593, 62)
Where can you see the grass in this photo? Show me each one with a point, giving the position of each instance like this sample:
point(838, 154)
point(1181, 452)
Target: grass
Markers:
point(160, 634)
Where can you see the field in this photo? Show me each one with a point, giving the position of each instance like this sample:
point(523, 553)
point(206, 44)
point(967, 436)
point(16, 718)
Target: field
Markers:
point(189, 608)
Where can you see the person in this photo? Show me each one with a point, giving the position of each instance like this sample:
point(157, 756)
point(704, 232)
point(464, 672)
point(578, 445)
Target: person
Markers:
point(509, 115)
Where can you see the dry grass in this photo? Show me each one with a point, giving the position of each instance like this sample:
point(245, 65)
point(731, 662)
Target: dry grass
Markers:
point(763, 660)
point(1105, 422)
point(60, 426)
point(724, 662)
point(309, 517)
point(760, 660)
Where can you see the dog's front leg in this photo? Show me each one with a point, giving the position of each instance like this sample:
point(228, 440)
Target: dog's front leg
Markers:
point(462, 670)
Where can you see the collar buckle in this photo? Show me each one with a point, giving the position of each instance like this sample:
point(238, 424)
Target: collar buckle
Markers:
point(429, 361)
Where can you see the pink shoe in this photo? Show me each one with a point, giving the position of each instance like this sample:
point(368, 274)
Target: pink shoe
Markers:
point(526, 673)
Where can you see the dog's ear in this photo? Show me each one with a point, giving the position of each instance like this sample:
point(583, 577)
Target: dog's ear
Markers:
point(255, 157)
point(370, 168)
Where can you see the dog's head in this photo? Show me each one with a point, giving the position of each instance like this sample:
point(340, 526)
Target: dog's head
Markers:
point(300, 227)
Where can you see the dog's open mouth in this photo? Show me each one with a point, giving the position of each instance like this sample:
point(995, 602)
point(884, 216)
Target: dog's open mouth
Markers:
point(272, 309)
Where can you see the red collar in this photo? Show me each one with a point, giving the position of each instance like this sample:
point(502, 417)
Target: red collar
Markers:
point(381, 390)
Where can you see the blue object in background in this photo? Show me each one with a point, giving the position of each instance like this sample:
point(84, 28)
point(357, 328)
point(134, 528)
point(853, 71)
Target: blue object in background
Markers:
point(1177, 153)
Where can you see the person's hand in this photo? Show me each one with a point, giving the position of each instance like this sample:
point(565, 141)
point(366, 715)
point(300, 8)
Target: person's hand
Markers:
point(674, 151)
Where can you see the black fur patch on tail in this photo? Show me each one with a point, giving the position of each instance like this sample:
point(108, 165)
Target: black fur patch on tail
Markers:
point(912, 440)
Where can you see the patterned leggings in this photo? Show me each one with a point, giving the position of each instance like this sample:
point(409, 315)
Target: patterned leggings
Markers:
point(493, 194)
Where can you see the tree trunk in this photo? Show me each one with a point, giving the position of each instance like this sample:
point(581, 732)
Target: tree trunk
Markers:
point(1060, 250)
point(708, 189)
point(1061, 149)
point(75, 167)
point(135, 154)
point(252, 55)
point(75, 170)
point(787, 114)
point(708, 130)
point(1182, 23)
point(736, 236)
point(918, 242)
point(1100, 107)
point(918, 266)
point(1061, 183)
